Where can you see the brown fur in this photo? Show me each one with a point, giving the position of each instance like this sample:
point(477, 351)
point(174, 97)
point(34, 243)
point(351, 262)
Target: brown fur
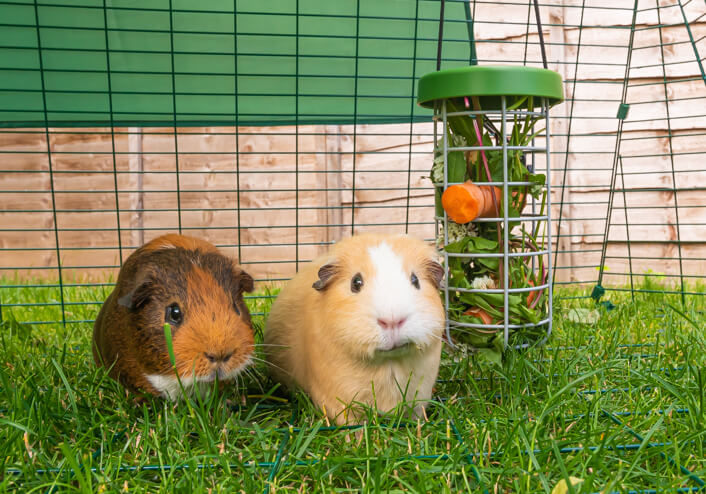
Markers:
point(174, 240)
point(207, 286)
point(321, 337)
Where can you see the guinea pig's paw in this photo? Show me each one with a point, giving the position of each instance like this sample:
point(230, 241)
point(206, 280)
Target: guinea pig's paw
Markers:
point(138, 401)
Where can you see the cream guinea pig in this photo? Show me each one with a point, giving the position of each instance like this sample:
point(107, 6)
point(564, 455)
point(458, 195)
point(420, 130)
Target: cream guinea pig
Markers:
point(362, 323)
point(189, 284)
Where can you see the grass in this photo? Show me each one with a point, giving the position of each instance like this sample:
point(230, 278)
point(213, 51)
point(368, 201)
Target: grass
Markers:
point(618, 404)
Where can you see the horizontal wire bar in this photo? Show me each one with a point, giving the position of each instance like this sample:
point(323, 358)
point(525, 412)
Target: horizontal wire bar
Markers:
point(210, 228)
point(458, 324)
point(483, 255)
point(293, 13)
point(499, 290)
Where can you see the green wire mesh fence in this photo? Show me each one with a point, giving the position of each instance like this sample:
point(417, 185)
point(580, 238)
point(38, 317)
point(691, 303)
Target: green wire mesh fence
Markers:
point(275, 128)
point(350, 149)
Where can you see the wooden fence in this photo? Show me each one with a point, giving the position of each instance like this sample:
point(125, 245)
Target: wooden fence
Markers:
point(274, 196)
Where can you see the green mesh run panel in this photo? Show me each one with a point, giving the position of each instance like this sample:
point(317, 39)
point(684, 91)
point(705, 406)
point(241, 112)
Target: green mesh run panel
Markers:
point(220, 62)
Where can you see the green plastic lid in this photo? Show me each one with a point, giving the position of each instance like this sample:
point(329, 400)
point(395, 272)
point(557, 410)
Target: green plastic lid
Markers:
point(489, 83)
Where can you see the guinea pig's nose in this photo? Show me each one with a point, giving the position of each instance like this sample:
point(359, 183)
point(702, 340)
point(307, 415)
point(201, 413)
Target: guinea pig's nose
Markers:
point(391, 323)
point(221, 357)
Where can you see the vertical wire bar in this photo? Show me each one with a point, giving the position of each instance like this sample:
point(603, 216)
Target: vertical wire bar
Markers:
point(473, 16)
point(296, 140)
point(616, 152)
point(49, 158)
point(174, 110)
point(441, 35)
point(506, 225)
point(472, 56)
point(445, 147)
point(540, 32)
point(671, 157)
point(627, 228)
point(411, 114)
point(112, 132)
point(237, 130)
point(527, 25)
point(140, 186)
point(532, 169)
point(568, 138)
point(355, 112)
point(548, 229)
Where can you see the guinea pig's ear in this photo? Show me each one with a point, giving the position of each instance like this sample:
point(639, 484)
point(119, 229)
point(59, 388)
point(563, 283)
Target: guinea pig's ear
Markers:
point(244, 280)
point(435, 272)
point(139, 296)
point(327, 273)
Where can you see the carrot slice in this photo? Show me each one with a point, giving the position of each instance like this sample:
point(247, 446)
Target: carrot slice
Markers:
point(531, 296)
point(468, 201)
point(479, 313)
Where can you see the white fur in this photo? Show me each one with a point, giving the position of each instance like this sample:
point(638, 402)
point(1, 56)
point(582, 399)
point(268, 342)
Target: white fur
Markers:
point(395, 298)
point(168, 386)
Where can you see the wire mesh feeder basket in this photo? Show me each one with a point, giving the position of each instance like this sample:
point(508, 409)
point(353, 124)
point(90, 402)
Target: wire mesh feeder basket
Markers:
point(493, 207)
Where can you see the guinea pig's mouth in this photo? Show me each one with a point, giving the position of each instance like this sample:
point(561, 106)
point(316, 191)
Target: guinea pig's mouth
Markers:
point(397, 350)
point(220, 373)
point(224, 373)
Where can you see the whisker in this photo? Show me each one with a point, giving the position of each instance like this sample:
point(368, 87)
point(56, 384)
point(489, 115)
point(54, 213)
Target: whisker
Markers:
point(253, 378)
point(273, 365)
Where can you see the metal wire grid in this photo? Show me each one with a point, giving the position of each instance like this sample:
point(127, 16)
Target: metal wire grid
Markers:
point(664, 167)
point(134, 177)
point(533, 216)
point(658, 104)
point(130, 196)
point(46, 171)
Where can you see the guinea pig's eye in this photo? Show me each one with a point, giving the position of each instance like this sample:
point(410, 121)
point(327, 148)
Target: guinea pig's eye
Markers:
point(357, 283)
point(173, 314)
point(415, 281)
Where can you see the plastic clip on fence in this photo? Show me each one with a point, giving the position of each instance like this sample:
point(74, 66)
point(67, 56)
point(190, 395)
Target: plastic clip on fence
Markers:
point(498, 267)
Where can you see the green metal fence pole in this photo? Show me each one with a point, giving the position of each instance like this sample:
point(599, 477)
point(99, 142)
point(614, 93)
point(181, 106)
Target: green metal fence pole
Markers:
point(412, 105)
point(296, 139)
point(527, 28)
point(671, 153)
point(473, 57)
point(237, 132)
point(616, 153)
point(49, 159)
point(568, 140)
point(112, 132)
point(174, 114)
point(627, 228)
point(355, 112)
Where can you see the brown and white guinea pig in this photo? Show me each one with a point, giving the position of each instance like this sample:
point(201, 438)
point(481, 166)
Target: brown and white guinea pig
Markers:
point(188, 283)
point(362, 323)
